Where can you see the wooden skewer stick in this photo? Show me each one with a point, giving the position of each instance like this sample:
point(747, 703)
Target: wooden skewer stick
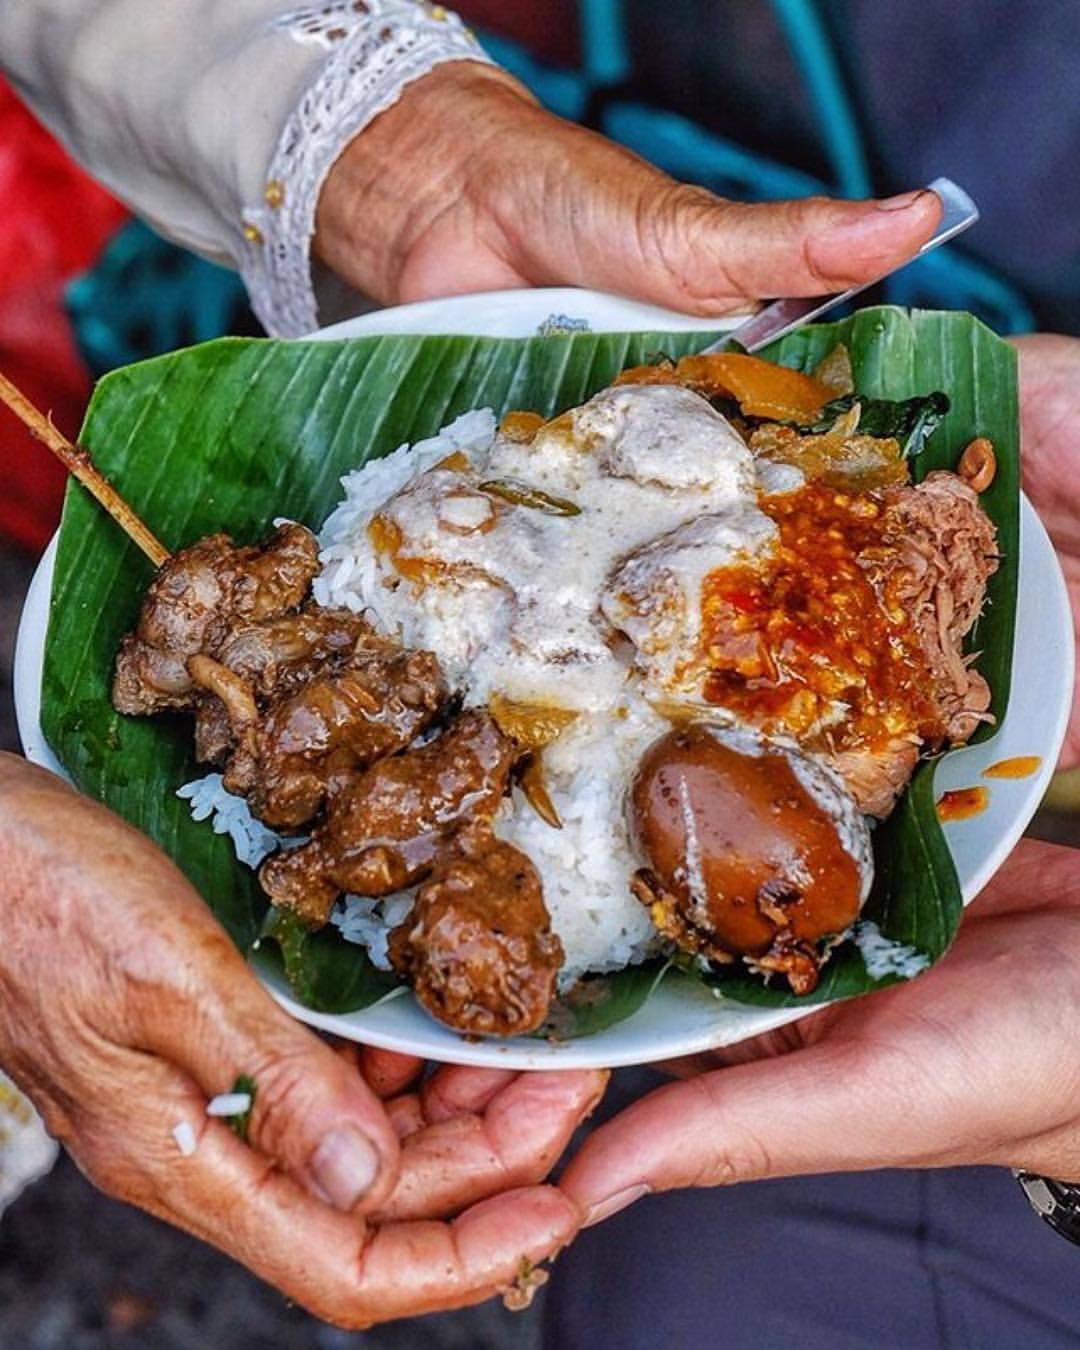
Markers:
point(77, 461)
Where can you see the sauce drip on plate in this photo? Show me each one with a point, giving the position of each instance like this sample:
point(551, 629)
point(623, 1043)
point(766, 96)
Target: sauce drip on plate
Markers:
point(1020, 766)
point(962, 803)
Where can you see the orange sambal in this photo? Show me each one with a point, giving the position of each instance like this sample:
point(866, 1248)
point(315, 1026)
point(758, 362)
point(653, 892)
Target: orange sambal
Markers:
point(818, 625)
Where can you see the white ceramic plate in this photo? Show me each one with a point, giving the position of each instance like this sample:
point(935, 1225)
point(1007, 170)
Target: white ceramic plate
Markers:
point(679, 1019)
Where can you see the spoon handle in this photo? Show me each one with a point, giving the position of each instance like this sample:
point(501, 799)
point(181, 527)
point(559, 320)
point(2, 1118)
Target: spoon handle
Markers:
point(782, 316)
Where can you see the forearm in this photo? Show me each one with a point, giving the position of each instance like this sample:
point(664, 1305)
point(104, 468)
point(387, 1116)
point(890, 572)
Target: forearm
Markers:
point(218, 123)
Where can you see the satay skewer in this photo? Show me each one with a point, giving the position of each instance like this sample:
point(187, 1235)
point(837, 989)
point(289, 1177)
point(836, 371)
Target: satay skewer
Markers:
point(78, 463)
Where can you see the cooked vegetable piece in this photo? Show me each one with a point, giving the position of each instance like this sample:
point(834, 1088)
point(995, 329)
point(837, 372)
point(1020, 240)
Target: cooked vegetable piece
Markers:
point(761, 388)
point(523, 494)
point(532, 725)
point(663, 372)
point(244, 1086)
point(521, 426)
point(849, 463)
point(531, 781)
point(835, 372)
point(911, 421)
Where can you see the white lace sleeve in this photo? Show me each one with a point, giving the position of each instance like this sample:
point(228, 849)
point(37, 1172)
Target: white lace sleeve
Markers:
point(373, 49)
point(217, 120)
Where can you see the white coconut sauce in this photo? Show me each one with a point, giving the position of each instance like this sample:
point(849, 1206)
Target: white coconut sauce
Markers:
point(515, 599)
point(593, 611)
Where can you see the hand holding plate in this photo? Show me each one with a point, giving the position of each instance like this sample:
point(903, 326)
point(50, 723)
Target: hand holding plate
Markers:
point(967, 1065)
point(514, 196)
point(125, 1009)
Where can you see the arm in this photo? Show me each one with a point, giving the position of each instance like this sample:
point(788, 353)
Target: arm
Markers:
point(218, 122)
point(124, 1008)
point(377, 135)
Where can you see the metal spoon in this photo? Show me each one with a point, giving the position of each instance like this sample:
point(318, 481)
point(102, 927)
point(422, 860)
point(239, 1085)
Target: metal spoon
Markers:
point(782, 316)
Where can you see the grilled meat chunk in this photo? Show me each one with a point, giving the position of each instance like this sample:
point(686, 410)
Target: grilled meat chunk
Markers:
point(279, 656)
point(193, 604)
point(389, 827)
point(298, 697)
point(477, 946)
point(285, 693)
point(335, 725)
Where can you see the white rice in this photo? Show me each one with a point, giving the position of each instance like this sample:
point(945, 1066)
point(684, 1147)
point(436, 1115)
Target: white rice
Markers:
point(370, 922)
point(586, 866)
point(229, 814)
point(883, 956)
point(361, 920)
point(350, 579)
point(229, 1104)
point(184, 1137)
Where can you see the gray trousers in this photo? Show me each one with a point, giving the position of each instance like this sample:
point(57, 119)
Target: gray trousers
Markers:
point(954, 1259)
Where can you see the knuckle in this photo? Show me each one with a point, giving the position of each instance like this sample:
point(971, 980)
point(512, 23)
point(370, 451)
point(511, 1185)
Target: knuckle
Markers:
point(678, 232)
point(828, 278)
point(287, 1085)
point(740, 1155)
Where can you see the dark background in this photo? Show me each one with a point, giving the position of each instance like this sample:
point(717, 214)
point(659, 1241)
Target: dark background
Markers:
point(984, 90)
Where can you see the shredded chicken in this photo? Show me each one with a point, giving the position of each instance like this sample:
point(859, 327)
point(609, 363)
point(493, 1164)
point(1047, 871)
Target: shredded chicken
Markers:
point(875, 778)
point(949, 554)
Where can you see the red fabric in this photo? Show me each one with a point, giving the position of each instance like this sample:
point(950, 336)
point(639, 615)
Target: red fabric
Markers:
point(549, 28)
point(54, 222)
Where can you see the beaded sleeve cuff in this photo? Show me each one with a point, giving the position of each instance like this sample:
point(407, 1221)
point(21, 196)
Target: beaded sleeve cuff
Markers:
point(373, 50)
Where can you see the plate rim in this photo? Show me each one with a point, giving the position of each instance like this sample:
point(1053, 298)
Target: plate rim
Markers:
point(472, 314)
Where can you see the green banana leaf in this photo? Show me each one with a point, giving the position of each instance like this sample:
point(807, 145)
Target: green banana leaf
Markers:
point(232, 433)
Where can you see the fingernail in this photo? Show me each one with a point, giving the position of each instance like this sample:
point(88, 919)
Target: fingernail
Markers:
point(604, 1209)
point(903, 201)
point(345, 1166)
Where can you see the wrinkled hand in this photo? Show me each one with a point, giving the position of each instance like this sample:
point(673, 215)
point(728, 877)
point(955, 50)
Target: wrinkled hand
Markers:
point(974, 1062)
point(124, 1007)
point(467, 185)
point(971, 1063)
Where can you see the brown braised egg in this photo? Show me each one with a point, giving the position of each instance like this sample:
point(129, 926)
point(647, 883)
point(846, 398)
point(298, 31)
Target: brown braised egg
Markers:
point(753, 850)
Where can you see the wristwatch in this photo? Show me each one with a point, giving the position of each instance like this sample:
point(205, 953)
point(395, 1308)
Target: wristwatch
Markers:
point(1058, 1202)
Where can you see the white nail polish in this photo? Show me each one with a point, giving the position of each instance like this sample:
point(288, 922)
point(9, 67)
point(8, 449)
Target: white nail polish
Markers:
point(604, 1209)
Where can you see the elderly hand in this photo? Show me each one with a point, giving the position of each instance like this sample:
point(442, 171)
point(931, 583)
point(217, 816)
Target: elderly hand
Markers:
point(971, 1063)
point(124, 1007)
point(467, 185)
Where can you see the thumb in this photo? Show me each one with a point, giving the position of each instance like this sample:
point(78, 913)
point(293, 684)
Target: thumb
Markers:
point(834, 1107)
point(312, 1112)
point(687, 249)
